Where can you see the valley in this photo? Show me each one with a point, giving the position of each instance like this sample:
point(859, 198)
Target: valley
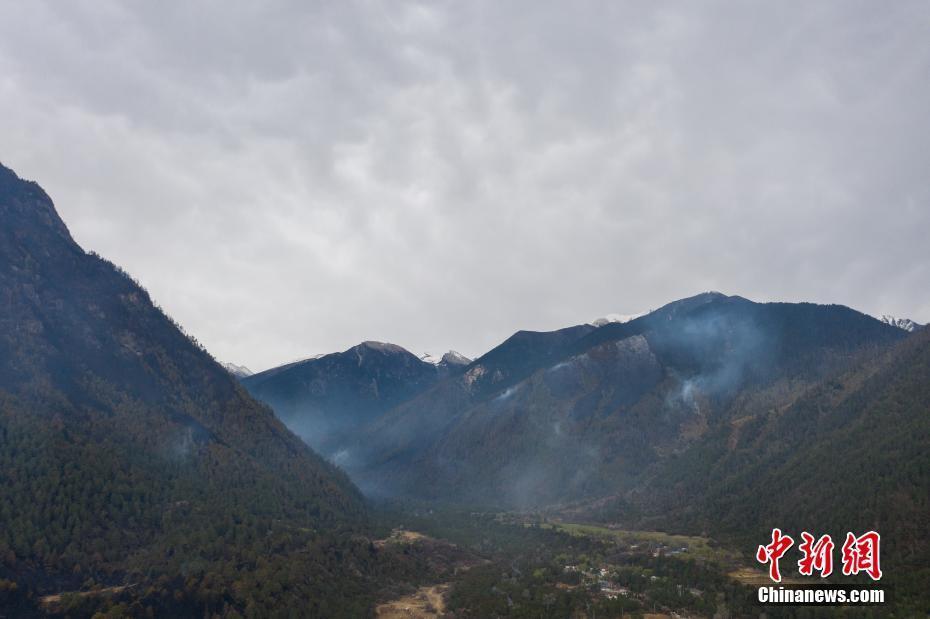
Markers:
point(627, 468)
point(534, 567)
point(676, 420)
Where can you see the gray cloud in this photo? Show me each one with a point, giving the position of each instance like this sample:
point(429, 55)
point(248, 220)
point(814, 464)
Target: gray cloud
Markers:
point(290, 179)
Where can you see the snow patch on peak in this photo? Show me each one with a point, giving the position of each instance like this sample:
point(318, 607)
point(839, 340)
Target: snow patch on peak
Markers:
point(450, 358)
point(454, 357)
point(239, 371)
point(621, 318)
point(902, 323)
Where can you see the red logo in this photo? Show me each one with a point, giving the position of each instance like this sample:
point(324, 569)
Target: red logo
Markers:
point(817, 556)
point(773, 552)
point(860, 554)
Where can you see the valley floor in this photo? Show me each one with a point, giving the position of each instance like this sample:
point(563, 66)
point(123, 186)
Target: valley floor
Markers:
point(530, 567)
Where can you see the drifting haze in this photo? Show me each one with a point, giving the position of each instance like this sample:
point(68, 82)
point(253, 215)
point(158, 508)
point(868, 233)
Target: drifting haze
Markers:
point(288, 181)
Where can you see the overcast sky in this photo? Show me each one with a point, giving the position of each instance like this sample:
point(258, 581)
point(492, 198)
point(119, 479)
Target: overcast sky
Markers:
point(289, 180)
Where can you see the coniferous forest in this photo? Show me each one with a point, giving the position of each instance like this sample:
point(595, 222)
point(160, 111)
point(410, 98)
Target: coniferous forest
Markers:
point(142, 479)
point(464, 310)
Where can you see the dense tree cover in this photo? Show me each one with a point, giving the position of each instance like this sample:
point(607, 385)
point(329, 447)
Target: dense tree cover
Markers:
point(128, 456)
point(325, 400)
point(525, 574)
point(581, 413)
point(82, 507)
point(850, 454)
point(137, 476)
point(792, 415)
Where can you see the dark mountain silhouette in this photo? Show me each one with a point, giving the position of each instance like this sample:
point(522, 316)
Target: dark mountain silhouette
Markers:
point(519, 356)
point(579, 414)
point(584, 412)
point(849, 453)
point(326, 399)
point(569, 415)
point(128, 456)
point(331, 400)
point(126, 451)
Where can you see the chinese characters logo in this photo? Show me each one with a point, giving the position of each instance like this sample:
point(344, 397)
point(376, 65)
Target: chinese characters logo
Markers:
point(859, 554)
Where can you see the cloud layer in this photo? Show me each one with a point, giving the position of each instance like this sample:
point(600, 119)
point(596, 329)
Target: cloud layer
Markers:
point(289, 180)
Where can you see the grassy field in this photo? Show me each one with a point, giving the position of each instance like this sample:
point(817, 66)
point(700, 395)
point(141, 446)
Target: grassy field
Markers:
point(757, 578)
point(698, 547)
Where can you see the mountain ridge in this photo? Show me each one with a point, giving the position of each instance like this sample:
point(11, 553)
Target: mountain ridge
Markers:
point(905, 324)
point(710, 348)
point(127, 451)
point(549, 397)
point(323, 398)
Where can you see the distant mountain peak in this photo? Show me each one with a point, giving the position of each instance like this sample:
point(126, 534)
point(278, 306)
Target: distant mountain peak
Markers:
point(26, 206)
point(239, 371)
point(451, 357)
point(702, 298)
point(455, 358)
point(621, 318)
point(902, 323)
point(324, 399)
point(711, 295)
point(385, 347)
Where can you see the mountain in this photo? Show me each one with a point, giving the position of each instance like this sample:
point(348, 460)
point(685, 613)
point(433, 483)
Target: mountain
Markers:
point(572, 415)
point(134, 466)
point(848, 454)
point(453, 361)
point(872, 418)
point(902, 323)
point(326, 399)
point(128, 455)
point(450, 362)
point(585, 412)
point(239, 371)
point(621, 318)
point(519, 356)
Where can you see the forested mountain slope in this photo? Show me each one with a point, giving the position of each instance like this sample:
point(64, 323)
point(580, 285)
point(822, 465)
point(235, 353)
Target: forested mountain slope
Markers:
point(326, 399)
point(126, 451)
point(850, 454)
point(589, 416)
